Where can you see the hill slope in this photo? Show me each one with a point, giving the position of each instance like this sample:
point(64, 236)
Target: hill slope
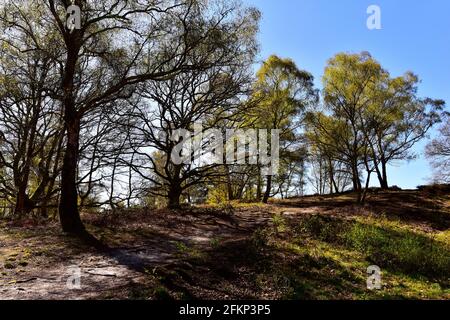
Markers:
point(304, 248)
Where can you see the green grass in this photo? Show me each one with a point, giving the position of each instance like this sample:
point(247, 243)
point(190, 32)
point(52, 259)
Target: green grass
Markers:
point(187, 251)
point(279, 223)
point(393, 246)
point(329, 258)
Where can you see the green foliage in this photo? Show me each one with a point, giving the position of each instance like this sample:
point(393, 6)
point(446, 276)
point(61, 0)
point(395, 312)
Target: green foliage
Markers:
point(215, 243)
point(282, 92)
point(279, 223)
point(260, 238)
point(370, 119)
point(188, 251)
point(226, 209)
point(217, 195)
point(161, 293)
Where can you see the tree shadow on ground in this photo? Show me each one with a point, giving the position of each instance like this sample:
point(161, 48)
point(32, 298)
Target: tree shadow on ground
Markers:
point(239, 270)
point(410, 206)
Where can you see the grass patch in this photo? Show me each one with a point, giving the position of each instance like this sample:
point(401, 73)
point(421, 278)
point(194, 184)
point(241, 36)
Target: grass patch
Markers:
point(326, 257)
point(385, 243)
point(391, 246)
point(279, 223)
point(189, 252)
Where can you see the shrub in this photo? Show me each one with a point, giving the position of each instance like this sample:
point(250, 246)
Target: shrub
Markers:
point(279, 223)
point(322, 228)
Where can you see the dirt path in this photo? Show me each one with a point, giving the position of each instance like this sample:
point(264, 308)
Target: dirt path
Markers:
point(45, 267)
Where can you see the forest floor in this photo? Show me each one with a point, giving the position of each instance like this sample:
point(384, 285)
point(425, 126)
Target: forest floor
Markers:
point(305, 248)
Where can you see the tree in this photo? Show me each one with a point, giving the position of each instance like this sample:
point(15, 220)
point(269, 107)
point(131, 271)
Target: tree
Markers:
point(370, 119)
point(438, 151)
point(396, 120)
point(349, 83)
point(291, 173)
point(282, 92)
point(119, 45)
point(209, 96)
point(328, 152)
point(31, 132)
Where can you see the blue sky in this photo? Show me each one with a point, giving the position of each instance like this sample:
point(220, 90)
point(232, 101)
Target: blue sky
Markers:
point(415, 36)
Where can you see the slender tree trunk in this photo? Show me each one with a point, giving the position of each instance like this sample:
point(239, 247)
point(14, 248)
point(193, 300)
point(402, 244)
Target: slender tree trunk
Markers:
point(335, 185)
point(111, 186)
point(268, 189)
point(130, 183)
point(188, 195)
point(229, 186)
point(363, 193)
point(258, 186)
point(385, 184)
point(240, 192)
point(43, 210)
point(379, 175)
point(332, 181)
point(355, 178)
point(320, 178)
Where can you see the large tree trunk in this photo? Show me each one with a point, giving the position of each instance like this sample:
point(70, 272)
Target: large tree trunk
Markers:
point(68, 205)
point(175, 189)
point(174, 196)
point(268, 189)
point(23, 203)
point(382, 175)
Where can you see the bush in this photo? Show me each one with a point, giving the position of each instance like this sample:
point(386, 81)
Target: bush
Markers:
point(216, 196)
point(322, 228)
point(260, 238)
point(279, 223)
point(226, 209)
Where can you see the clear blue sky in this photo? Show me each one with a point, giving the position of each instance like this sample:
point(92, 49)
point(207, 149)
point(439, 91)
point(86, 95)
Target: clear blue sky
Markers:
point(415, 36)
